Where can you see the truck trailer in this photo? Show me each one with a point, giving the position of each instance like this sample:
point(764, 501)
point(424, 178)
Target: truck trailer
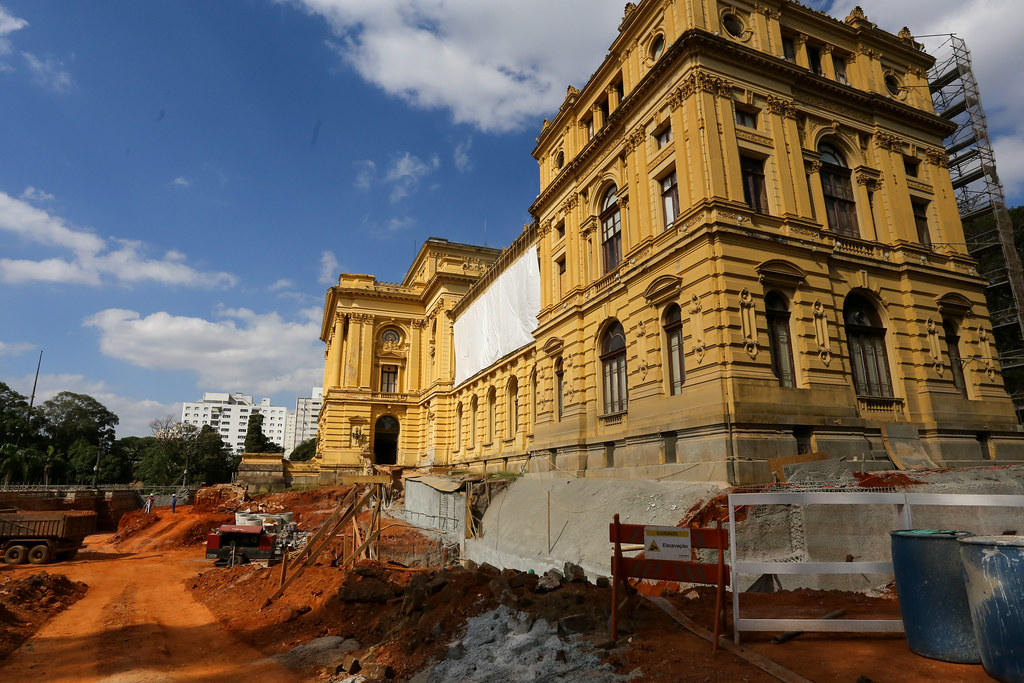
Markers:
point(41, 537)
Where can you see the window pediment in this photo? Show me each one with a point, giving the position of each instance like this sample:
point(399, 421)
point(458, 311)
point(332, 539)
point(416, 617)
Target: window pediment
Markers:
point(954, 305)
point(780, 273)
point(662, 289)
point(553, 346)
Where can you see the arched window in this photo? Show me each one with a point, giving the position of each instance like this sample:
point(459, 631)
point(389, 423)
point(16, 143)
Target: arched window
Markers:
point(458, 427)
point(779, 341)
point(512, 408)
point(559, 388)
point(613, 369)
point(472, 423)
point(868, 358)
point(611, 229)
point(491, 401)
point(840, 206)
point(674, 349)
point(956, 366)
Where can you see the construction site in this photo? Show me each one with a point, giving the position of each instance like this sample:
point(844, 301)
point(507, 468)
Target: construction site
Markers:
point(761, 422)
point(435, 578)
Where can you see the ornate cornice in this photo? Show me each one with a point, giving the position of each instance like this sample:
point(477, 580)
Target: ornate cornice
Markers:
point(781, 106)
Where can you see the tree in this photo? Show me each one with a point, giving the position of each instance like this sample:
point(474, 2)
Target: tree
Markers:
point(15, 422)
point(255, 440)
point(304, 451)
point(212, 462)
point(12, 463)
point(68, 417)
point(179, 452)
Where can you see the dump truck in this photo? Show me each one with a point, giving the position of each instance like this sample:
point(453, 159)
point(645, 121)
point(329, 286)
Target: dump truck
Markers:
point(233, 544)
point(41, 537)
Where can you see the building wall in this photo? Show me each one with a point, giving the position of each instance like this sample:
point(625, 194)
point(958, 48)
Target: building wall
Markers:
point(756, 96)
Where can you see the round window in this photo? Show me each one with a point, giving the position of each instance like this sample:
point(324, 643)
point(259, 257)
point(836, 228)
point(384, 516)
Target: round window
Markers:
point(892, 84)
point(390, 337)
point(733, 25)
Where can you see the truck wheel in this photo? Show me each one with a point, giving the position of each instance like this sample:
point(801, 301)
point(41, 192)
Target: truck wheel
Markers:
point(40, 554)
point(15, 554)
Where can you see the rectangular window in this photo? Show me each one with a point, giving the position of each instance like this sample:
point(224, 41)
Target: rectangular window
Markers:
point(664, 136)
point(560, 279)
point(921, 221)
point(754, 193)
point(814, 60)
point(746, 118)
point(670, 198)
point(589, 124)
point(789, 49)
point(389, 379)
point(839, 64)
point(839, 203)
point(603, 107)
point(911, 166)
point(560, 231)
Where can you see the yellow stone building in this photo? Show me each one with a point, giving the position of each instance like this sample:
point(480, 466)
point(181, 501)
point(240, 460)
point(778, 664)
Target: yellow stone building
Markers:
point(746, 246)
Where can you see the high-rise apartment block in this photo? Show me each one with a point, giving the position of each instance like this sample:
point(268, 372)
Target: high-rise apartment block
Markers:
point(229, 415)
point(301, 424)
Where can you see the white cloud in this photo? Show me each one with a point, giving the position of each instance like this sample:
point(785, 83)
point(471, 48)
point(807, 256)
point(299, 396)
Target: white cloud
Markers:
point(35, 195)
point(92, 259)
point(991, 31)
point(8, 24)
point(461, 156)
point(405, 174)
point(181, 181)
point(396, 224)
point(49, 73)
point(14, 349)
point(283, 283)
point(134, 414)
point(366, 173)
point(262, 352)
point(328, 268)
point(492, 64)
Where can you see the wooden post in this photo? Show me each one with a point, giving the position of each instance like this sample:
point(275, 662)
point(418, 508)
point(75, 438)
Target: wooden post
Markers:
point(284, 567)
point(615, 579)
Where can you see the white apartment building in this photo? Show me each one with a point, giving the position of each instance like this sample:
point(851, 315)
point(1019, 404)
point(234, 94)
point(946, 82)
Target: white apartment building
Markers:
point(229, 415)
point(301, 424)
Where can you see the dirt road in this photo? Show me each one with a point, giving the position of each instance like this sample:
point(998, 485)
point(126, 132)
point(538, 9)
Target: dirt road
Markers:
point(137, 623)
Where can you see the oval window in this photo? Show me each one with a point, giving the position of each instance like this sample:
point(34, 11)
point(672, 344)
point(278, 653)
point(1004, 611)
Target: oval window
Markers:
point(733, 25)
point(892, 84)
point(657, 47)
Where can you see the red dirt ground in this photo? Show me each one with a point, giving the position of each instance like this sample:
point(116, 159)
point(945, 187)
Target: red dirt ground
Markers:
point(175, 617)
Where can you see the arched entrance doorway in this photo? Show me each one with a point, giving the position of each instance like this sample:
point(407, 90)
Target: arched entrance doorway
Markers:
point(385, 441)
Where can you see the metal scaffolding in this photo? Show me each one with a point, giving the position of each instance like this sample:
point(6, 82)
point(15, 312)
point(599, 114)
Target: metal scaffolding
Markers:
point(988, 228)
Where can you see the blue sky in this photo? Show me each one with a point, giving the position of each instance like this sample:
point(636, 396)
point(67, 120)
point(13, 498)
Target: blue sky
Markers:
point(181, 181)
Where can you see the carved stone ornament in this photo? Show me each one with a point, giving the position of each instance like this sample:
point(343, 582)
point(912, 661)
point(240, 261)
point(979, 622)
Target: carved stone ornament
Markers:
point(749, 323)
point(937, 157)
point(821, 335)
point(769, 12)
point(643, 367)
point(987, 353)
point(888, 141)
point(697, 316)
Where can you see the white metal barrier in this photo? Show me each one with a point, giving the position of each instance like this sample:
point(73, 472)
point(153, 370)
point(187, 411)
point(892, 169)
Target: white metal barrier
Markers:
point(902, 502)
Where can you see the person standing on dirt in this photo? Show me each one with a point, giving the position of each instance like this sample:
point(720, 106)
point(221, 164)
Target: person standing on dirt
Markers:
point(149, 504)
point(174, 502)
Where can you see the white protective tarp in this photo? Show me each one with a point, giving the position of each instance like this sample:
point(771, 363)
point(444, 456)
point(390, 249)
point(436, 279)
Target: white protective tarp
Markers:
point(501, 320)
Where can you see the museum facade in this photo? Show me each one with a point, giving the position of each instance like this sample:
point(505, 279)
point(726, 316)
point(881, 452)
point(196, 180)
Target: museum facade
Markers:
point(746, 247)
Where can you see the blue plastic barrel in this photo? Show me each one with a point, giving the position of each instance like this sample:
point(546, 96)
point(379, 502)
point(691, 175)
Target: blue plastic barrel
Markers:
point(933, 599)
point(994, 575)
